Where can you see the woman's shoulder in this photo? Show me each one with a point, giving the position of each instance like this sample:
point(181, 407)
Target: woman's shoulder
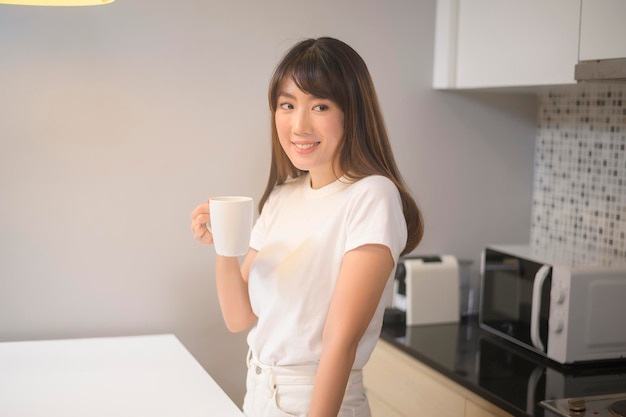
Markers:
point(377, 183)
point(375, 189)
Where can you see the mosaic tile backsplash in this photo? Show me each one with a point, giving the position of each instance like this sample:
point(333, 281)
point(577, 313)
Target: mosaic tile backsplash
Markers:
point(579, 194)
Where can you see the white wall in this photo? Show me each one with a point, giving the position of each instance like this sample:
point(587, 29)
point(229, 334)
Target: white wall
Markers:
point(115, 121)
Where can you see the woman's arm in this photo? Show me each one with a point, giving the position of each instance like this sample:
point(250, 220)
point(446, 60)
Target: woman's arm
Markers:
point(360, 285)
point(232, 291)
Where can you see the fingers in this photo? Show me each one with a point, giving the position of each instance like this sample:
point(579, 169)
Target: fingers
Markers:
point(202, 234)
point(199, 218)
point(201, 209)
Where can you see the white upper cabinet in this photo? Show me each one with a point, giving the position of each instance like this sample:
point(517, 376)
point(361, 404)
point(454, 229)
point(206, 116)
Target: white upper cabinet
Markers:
point(603, 29)
point(495, 43)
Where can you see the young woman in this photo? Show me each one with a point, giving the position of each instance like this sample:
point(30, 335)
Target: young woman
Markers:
point(334, 218)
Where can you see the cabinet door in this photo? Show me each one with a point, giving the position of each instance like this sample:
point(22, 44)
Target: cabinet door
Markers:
point(409, 388)
point(474, 410)
point(380, 407)
point(506, 43)
point(603, 29)
point(400, 386)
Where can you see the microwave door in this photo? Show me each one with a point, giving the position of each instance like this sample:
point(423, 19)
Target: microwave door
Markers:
point(535, 312)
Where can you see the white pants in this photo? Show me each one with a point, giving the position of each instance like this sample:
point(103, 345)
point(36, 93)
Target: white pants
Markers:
point(285, 391)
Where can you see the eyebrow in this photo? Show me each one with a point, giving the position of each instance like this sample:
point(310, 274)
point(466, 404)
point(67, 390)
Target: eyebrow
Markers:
point(292, 97)
point(284, 94)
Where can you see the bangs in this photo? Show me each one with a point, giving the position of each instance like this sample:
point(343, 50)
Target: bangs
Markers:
point(313, 75)
point(320, 68)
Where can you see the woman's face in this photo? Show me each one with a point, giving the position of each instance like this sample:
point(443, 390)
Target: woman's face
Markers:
point(310, 130)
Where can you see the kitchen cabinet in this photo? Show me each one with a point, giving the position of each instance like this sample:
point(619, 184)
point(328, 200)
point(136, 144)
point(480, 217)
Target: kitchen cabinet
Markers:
point(491, 43)
point(602, 29)
point(401, 386)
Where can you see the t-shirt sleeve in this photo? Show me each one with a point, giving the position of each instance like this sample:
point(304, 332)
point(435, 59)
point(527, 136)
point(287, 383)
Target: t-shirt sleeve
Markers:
point(376, 216)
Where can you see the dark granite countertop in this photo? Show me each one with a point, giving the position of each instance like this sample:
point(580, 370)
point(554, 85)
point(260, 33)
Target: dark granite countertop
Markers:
point(504, 374)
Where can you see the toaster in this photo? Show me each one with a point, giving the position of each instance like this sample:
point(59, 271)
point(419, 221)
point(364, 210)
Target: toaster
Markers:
point(427, 289)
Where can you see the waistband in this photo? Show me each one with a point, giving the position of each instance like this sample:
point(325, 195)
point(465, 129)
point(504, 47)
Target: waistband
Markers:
point(290, 374)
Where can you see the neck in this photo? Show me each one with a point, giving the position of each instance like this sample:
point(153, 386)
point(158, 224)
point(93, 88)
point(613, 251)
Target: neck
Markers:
point(319, 181)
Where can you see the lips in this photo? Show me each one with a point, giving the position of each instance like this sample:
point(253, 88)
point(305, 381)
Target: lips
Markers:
point(304, 147)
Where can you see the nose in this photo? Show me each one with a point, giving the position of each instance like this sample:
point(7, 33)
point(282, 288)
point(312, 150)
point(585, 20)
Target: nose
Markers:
point(301, 122)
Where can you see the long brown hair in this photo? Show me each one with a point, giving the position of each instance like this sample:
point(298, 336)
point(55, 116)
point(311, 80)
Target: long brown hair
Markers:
point(330, 69)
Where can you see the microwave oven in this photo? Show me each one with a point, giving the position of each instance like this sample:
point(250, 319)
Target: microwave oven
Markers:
point(568, 308)
point(524, 380)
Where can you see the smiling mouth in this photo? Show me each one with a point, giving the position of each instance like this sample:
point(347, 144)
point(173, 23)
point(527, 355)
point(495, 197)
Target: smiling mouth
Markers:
point(305, 146)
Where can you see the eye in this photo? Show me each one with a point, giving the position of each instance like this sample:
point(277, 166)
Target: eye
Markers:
point(285, 106)
point(320, 107)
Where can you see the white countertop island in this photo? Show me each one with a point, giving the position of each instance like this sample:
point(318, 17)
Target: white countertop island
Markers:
point(115, 376)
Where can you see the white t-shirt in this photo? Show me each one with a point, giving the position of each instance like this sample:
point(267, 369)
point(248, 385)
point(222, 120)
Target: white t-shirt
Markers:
point(301, 237)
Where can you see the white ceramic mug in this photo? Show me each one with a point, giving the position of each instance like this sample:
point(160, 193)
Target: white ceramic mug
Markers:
point(231, 224)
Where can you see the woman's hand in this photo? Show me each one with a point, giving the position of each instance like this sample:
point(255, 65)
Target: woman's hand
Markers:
point(199, 218)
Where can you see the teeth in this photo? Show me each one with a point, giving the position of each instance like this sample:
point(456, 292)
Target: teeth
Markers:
point(305, 145)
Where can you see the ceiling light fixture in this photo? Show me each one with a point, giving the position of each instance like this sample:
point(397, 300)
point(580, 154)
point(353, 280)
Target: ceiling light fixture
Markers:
point(56, 2)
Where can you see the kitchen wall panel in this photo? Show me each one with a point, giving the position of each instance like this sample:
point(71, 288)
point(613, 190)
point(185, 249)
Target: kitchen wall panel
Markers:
point(115, 121)
point(579, 197)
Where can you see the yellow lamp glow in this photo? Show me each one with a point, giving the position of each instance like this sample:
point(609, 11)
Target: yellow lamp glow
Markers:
point(57, 2)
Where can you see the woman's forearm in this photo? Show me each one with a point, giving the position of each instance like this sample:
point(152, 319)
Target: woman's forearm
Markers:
point(331, 380)
point(232, 291)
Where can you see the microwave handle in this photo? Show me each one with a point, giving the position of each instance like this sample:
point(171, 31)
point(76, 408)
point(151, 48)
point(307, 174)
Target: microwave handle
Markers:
point(540, 278)
point(531, 390)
